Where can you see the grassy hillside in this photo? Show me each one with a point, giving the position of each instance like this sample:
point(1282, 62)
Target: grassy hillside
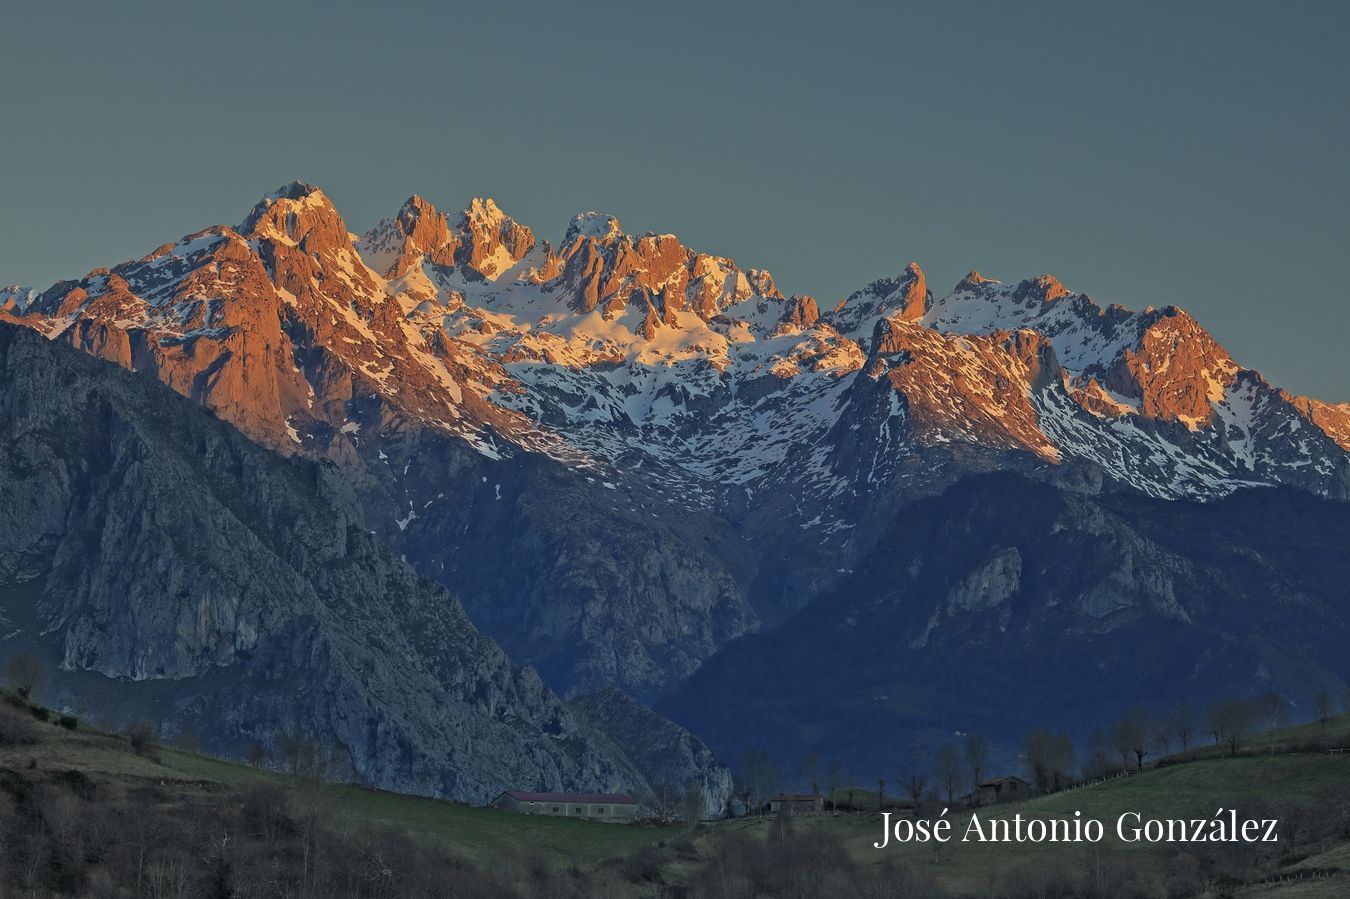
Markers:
point(475, 834)
point(1284, 787)
point(1307, 790)
point(825, 855)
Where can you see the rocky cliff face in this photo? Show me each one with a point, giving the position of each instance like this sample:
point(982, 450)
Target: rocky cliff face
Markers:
point(622, 452)
point(279, 327)
point(668, 756)
point(1004, 604)
point(172, 569)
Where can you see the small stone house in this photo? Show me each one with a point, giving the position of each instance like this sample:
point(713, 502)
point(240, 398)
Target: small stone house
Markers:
point(1008, 788)
point(801, 804)
point(613, 807)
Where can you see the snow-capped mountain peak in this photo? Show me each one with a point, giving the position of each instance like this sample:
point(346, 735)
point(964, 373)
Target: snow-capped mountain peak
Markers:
point(906, 295)
point(598, 226)
point(16, 299)
point(656, 363)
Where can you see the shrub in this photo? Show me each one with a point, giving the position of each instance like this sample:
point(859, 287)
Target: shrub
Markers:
point(40, 712)
point(25, 674)
point(144, 739)
point(16, 729)
point(644, 865)
point(685, 849)
point(69, 722)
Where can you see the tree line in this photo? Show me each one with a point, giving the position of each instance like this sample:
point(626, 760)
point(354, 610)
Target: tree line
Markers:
point(1050, 759)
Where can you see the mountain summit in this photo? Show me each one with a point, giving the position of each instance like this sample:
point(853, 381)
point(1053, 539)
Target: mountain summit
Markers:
point(621, 451)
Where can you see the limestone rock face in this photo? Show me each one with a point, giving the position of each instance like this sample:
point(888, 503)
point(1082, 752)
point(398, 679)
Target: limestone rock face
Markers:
point(1006, 600)
point(665, 754)
point(170, 569)
point(989, 585)
point(621, 451)
point(981, 388)
point(905, 297)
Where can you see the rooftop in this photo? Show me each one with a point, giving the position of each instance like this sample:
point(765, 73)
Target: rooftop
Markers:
point(613, 798)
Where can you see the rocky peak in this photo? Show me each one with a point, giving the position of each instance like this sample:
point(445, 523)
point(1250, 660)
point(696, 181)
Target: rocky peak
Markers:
point(491, 241)
point(483, 241)
point(16, 299)
point(959, 389)
point(483, 213)
point(418, 230)
point(419, 219)
point(912, 293)
point(1332, 418)
point(973, 281)
point(597, 226)
point(799, 312)
point(762, 283)
point(905, 296)
point(289, 339)
point(299, 215)
point(1176, 369)
point(606, 268)
point(1042, 289)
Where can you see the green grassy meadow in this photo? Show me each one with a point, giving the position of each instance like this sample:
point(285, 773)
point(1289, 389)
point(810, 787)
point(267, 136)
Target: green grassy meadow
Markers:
point(1257, 786)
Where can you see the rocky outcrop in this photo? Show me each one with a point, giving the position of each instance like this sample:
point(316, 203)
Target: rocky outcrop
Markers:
point(905, 297)
point(668, 756)
point(171, 569)
point(622, 452)
point(976, 390)
point(1005, 603)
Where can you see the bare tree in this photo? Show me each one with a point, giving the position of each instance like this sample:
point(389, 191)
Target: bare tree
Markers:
point(1050, 758)
point(744, 791)
point(694, 802)
point(1100, 761)
point(312, 800)
point(1181, 721)
point(951, 770)
point(834, 779)
point(143, 738)
point(25, 674)
point(977, 759)
point(881, 793)
point(1272, 713)
point(1231, 720)
point(761, 777)
point(915, 784)
point(665, 800)
point(1131, 736)
point(1323, 705)
point(1036, 750)
point(1160, 734)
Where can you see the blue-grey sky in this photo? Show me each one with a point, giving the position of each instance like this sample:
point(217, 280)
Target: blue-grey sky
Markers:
point(1189, 153)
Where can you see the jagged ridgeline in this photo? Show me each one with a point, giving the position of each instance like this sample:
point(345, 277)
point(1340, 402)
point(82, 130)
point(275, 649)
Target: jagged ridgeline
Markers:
point(622, 454)
point(167, 568)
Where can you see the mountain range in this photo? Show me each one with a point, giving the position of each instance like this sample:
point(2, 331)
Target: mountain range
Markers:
point(631, 460)
point(168, 569)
